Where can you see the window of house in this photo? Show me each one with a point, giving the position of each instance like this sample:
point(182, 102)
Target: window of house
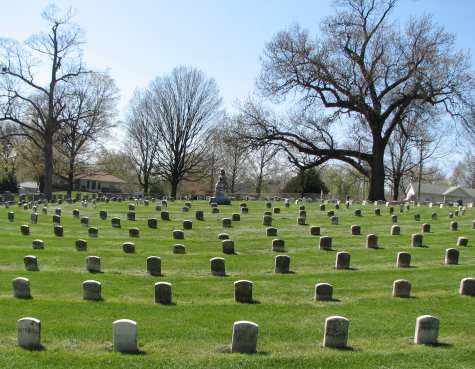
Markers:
point(93, 187)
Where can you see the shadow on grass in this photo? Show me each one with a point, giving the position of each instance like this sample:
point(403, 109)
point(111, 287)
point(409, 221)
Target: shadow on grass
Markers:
point(440, 344)
point(252, 302)
point(345, 348)
point(35, 348)
point(351, 269)
point(96, 271)
point(227, 350)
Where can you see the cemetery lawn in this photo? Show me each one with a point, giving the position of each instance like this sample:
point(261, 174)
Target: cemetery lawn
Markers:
point(195, 332)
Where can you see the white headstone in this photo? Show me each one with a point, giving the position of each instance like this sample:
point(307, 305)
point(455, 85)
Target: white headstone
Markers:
point(124, 336)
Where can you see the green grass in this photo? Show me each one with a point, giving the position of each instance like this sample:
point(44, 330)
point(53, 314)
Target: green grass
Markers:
point(196, 331)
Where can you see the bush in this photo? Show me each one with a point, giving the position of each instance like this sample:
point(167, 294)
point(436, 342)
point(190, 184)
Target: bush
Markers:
point(311, 183)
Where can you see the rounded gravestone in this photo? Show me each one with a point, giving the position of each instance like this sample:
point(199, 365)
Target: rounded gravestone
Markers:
point(199, 215)
point(163, 293)
point(11, 216)
point(334, 220)
point(452, 256)
point(93, 264)
point(179, 249)
point(25, 230)
point(115, 222)
point(358, 213)
point(282, 264)
point(29, 333)
point(243, 291)
point(427, 330)
point(218, 267)
point(401, 288)
point(395, 230)
point(355, 230)
point(394, 218)
point(178, 234)
point(21, 288)
point(323, 292)
point(377, 211)
point(223, 236)
point(336, 332)
point(467, 287)
point(342, 260)
point(271, 231)
point(325, 243)
point(372, 241)
point(58, 231)
point(236, 217)
point(454, 226)
point(31, 263)
point(93, 232)
point(103, 214)
point(267, 220)
point(244, 210)
point(425, 228)
point(128, 247)
point(154, 265)
point(187, 224)
point(244, 339)
point(278, 245)
point(81, 245)
point(165, 215)
point(38, 244)
point(92, 290)
point(462, 241)
point(416, 240)
point(228, 246)
point(152, 223)
point(84, 221)
point(403, 260)
point(434, 216)
point(124, 336)
point(226, 222)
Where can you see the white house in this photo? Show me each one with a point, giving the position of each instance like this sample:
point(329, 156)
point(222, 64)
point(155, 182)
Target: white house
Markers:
point(439, 193)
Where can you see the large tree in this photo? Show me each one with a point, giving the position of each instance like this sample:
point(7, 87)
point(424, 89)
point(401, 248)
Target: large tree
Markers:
point(33, 82)
point(143, 139)
point(362, 68)
point(184, 104)
point(88, 116)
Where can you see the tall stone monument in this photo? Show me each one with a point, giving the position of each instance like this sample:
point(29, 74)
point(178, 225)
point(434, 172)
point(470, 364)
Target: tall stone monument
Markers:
point(220, 190)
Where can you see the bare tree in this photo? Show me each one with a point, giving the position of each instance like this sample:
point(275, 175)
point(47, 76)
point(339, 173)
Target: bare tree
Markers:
point(88, 115)
point(464, 172)
point(37, 108)
point(260, 163)
point(184, 103)
point(143, 139)
point(362, 68)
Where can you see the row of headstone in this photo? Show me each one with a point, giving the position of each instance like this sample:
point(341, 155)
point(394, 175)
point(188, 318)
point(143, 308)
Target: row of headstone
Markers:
point(244, 334)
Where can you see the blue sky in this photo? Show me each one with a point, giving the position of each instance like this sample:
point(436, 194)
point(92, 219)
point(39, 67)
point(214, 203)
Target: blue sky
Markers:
point(139, 40)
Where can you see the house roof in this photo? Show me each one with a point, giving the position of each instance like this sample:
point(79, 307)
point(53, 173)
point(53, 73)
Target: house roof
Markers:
point(434, 189)
point(101, 177)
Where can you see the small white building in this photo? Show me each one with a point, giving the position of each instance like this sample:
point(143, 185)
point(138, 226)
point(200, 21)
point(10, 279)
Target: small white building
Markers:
point(440, 193)
point(28, 188)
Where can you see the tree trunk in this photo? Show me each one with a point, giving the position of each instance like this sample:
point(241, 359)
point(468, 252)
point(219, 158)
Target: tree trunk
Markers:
point(174, 184)
point(48, 169)
point(259, 186)
point(396, 186)
point(302, 183)
point(71, 178)
point(377, 175)
point(146, 184)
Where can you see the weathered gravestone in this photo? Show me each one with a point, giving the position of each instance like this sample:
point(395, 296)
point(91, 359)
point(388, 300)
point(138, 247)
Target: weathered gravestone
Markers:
point(115, 222)
point(325, 243)
point(403, 260)
point(31, 263)
point(282, 264)
point(163, 293)
point(58, 231)
point(416, 240)
point(315, 230)
point(178, 234)
point(228, 246)
point(81, 245)
point(467, 287)
point(243, 291)
point(336, 332)
point(226, 222)
point(452, 256)
point(323, 292)
point(152, 223)
point(395, 230)
point(427, 330)
point(372, 241)
point(342, 260)
point(128, 247)
point(218, 266)
point(244, 339)
point(462, 241)
point(154, 265)
point(25, 229)
point(401, 288)
point(271, 231)
point(179, 249)
point(38, 244)
point(278, 245)
point(355, 230)
point(93, 264)
point(93, 232)
point(134, 232)
point(21, 288)
point(29, 333)
point(124, 336)
point(92, 290)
